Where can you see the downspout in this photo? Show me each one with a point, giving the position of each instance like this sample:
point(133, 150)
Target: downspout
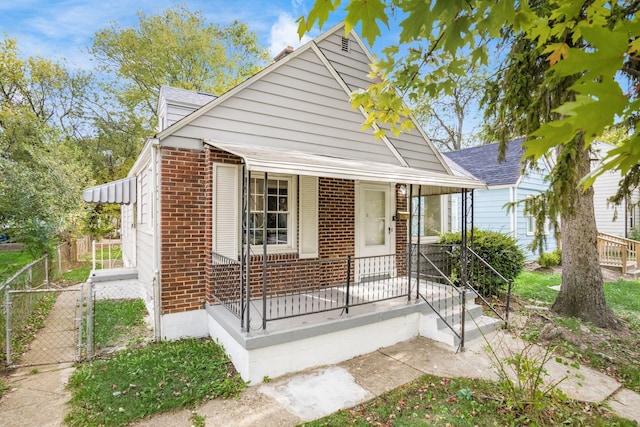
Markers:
point(157, 288)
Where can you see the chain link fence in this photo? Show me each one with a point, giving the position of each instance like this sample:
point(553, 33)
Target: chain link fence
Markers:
point(44, 321)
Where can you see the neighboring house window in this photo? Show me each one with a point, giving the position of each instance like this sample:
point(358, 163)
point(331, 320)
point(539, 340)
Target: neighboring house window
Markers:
point(531, 225)
point(427, 216)
point(279, 216)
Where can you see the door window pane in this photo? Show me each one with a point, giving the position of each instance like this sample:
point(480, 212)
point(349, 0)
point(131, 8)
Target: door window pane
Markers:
point(375, 227)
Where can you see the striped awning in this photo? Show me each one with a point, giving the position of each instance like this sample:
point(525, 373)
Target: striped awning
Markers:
point(122, 192)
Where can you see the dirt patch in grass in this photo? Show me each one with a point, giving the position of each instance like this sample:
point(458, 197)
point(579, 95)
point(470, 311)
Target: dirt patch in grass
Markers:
point(614, 352)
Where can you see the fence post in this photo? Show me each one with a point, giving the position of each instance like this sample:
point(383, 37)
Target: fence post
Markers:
point(346, 309)
point(46, 270)
point(93, 254)
point(90, 319)
point(60, 260)
point(7, 302)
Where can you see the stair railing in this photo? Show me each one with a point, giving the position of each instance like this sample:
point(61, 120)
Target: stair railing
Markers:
point(442, 295)
point(478, 263)
point(616, 251)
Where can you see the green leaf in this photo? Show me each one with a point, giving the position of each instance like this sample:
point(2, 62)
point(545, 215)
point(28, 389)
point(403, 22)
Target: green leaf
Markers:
point(319, 12)
point(368, 12)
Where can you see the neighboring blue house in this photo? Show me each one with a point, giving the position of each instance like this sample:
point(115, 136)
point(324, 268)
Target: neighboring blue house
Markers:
point(506, 183)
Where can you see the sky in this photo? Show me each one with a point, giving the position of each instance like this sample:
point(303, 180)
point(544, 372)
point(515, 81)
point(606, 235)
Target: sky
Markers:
point(57, 29)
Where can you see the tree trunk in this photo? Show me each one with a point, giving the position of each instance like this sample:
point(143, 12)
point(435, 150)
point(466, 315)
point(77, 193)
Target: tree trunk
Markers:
point(582, 291)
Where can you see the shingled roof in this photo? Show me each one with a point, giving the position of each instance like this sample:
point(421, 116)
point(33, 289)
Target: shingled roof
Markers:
point(482, 162)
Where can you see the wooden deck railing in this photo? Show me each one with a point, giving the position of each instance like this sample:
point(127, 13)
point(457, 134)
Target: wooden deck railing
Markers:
point(617, 251)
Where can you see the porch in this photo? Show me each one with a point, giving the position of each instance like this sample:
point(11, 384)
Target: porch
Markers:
point(344, 307)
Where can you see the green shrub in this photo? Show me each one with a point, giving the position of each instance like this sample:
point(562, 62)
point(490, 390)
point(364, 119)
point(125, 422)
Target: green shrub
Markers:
point(499, 250)
point(550, 259)
point(634, 234)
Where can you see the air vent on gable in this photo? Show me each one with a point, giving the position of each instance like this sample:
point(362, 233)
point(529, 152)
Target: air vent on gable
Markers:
point(345, 44)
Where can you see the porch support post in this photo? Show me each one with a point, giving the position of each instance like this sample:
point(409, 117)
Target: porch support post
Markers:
point(264, 253)
point(463, 258)
point(418, 249)
point(243, 199)
point(247, 282)
point(410, 239)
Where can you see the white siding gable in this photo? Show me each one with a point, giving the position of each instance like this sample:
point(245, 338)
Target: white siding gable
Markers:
point(298, 106)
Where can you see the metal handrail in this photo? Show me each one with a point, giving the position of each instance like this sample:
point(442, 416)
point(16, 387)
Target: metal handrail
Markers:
point(436, 311)
point(509, 284)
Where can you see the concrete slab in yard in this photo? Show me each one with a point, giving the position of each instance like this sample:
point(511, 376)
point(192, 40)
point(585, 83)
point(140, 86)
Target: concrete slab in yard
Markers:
point(379, 373)
point(318, 393)
point(626, 403)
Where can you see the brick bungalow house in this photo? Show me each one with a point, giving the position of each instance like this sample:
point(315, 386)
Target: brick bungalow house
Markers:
point(267, 219)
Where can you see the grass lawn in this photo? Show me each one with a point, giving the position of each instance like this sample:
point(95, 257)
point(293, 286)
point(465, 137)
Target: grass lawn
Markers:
point(615, 352)
point(11, 262)
point(117, 319)
point(431, 400)
point(140, 382)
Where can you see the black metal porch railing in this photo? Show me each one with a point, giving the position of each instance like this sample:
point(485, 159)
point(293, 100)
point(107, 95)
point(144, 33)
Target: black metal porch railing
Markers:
point(433, 273)
point(307, 287)
point(226, 282)
point(299, 287)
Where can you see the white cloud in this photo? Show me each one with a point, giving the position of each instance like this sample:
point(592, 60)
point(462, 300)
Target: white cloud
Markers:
point(285, 33)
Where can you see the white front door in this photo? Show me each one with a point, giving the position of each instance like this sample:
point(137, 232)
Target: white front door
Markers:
point(375, 230)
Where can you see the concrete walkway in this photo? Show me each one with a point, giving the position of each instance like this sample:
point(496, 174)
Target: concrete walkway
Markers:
point(287, 401)
point(314, 393)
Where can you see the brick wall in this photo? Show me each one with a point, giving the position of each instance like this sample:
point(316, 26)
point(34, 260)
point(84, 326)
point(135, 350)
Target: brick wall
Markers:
point(184, 229)
point(188, 275)
point(401, 230)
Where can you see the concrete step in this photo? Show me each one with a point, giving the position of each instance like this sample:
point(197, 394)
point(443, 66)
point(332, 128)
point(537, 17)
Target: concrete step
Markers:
point(476, 325)
point(110, 274)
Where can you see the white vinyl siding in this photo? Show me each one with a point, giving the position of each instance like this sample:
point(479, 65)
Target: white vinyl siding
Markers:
point(298, 107)
point(225, 210)
point(308, 217)
point(145, 199)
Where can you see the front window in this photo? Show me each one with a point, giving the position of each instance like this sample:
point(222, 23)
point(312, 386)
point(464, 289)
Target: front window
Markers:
point(278, 216)
point(427, 216)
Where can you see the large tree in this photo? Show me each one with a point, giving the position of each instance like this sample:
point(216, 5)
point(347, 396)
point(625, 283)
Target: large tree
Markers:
point(178, 48)
point(451, 120)
point(41, 172)
point(585, 44)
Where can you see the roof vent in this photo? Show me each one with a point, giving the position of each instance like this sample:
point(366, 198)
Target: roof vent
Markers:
point(286, 51)
point(345, 44)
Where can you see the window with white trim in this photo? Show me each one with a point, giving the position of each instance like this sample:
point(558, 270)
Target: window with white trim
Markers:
point(280, 214)
point(531, 225)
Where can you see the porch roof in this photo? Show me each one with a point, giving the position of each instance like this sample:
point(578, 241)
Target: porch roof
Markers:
point(273, 160)
point(122, 192)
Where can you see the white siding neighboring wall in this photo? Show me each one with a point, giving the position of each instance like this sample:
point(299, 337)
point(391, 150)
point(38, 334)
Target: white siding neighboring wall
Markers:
point(604, 187)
